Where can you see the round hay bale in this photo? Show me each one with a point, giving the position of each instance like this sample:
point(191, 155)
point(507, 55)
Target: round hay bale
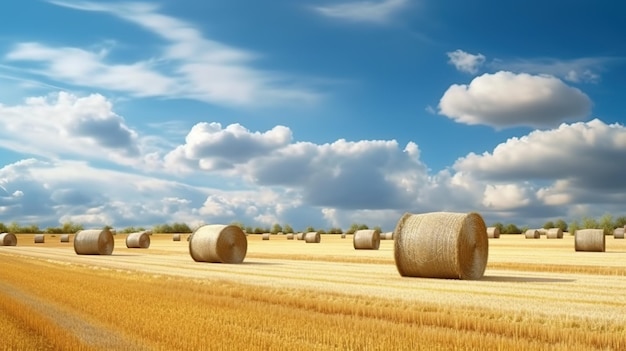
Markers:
point(312, 237)
point(65, 238)
point(265, 236)
point(441, 245)
point(94, 242)
point(39, 238)
point(493, 232)
point(542, 231)
point(300, 236)
point(387, 236)
point(589, 240)
point(532, 234)
point(8, 239)
point(343, 235)
point(138, 240)
point(290, 236)
point(176, 237)
point(366, 239)
point(218, 243)
point(554, 233)
point(618, 233)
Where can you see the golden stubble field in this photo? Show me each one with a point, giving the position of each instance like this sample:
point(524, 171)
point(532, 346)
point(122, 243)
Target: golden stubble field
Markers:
point(537, 294)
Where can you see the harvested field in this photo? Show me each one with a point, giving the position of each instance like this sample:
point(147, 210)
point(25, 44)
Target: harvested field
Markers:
point(534, 295)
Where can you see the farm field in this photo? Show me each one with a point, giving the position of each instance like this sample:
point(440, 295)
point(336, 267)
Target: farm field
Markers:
point(537, 294)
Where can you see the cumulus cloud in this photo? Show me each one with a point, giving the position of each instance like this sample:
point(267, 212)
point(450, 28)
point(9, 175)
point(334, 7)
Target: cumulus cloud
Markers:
point(363, 11)
point(506, 99)
point(466, 62)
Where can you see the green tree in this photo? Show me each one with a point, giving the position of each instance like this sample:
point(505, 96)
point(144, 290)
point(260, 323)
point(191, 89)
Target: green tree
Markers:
point(335, 230)
point(3, 228)
point(561, 224)
point(287, 229)
point(363, 227)
point(238, 224)
point(353, 228)
point(573, 227)
point(620, 222)
point(606, 224)
point(548, 225)
point(511, 229)
point(276, 228)
point(500, 226)
point(309, 229)
point(589, 223)
point(71, 227)
point(181, 228)
point(249, 230)
point(14, 227)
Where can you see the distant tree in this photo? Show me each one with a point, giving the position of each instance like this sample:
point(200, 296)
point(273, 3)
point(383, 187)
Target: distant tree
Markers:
point(523, 229)
point(353, 228)
point(606, 223)
point(249, 229)
point(71, 227)
point(238, 224)
point(287, 229)
point(276, 228)
point(561, 225)
point(309, 229)
point(548, 225)
point(620, 222)
point(573, 227)
point(511, 229)
point(3, 228)
point(34, 229)
point(380, 230)
point(500, 226)
point(259, 230)
point(321, 231)
point(181, 228)
point(335, 230)
point(14, 227)
point(589, 223)
point(363, 227)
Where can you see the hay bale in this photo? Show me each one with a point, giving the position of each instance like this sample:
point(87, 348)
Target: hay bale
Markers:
point(441, 245)
point(176, 237)
point(554, 233)
point(618, 233)
point(65, 238)
point(300, 236)
point(312, 237)
point(94, 242)
point(542, 231)
point(532, 234)
point(386, 235)
point(218, 244)
point(366, 239)
point(290, 236)
point(138, 240)
point(343, 235)
point(493, 232)
point(8, 239)
point(39, 238)
point(265, 236)
point(589, 240)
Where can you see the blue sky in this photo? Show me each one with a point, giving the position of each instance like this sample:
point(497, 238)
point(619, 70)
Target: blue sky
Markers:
point(315, 112)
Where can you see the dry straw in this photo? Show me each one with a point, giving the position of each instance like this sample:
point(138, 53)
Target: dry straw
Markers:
point(589, 240)
point(218, 243)
point(618, 233)
point(290, 236)
point(312, 237)
point(176, 237)
point(300, 236)
point(8, 239)
point(366, 239)
point(265, 236)
point(554, 233)
point(532, 234)
point(387, 236)
point(65, 238)
point(441, 245)
point(493, 232)
point(138, 240)
point(94, 242)
point(542, 231)
point(39, 238)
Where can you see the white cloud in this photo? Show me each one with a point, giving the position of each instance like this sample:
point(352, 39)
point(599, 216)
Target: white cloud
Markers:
point(189, 65)
point(364, 11)
point(505, 99)
point(466, 62)
point(506, 196)
point(580, 70)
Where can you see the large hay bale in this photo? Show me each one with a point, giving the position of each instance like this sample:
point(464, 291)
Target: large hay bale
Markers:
point(366, 239)
point(300, 236)
point(312, 237)
point(493, 232)
point(290, 236)
point(94, 242)
point(39, 238)
point(65, 238)
point(138, 240)
point(218, 243)
point(265, 236)
point(618, 233)
point(441, 245)
point(8, 239)
point(589, 240)
point(554, 233)
point(532, 234)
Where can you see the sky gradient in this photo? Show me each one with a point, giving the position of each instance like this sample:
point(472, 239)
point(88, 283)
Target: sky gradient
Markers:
point(310, 113)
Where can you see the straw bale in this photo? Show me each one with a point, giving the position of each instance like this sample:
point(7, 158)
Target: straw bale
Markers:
point(138, 240)
point(618, 233)
point(39, 238)
point(94, 242)
point(312, 237)
point(8, 239)
point(300, 236)
point(590, 240)
point(65, 238)
point(532, 234)
point(493, 232)
point(343, 235)
point(218, 243)
point(176, 237)
point(290, 236)
point(441, 245)
point(554, 233)
point(366, 239)
point(265, 236)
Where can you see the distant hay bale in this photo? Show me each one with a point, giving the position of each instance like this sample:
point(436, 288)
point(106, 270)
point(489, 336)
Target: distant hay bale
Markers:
point(493, 232)
point(589, 240)
point(265, 236)
point(366, 239)
point(343, 235)
point(176, 237)
point(290, 236)
point(138, 240)
point(8, 239)
point(542, 231)
point(39, 238)
point(618, 233)
point(387, 236)
point(94, 242)
point(65, 238)
point(441, 245)
point(218, 243)
point(532, 234)
point(300, 236)
point(312, 237)
point(554, 233)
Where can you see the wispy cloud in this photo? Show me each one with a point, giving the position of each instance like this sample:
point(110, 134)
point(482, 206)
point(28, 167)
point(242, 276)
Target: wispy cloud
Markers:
point(580, 70)
point(466, 62)
point(364, 11)
point(189, 65)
